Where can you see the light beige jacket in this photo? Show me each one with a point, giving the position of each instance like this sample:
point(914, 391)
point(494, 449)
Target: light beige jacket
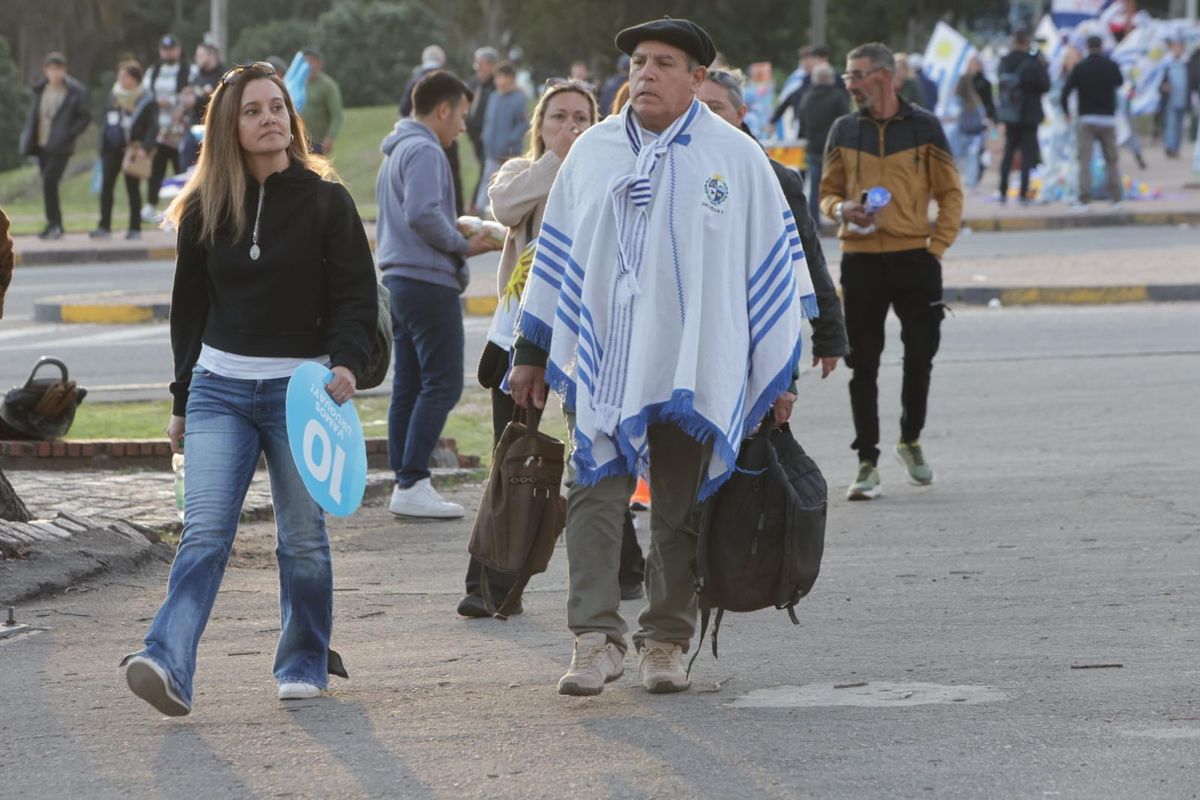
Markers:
point(518, 195)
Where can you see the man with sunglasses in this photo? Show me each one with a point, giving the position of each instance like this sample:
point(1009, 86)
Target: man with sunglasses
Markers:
point(890, 257)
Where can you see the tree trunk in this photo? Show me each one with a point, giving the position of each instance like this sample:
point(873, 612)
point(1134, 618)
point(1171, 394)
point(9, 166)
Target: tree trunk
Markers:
point(11, 507)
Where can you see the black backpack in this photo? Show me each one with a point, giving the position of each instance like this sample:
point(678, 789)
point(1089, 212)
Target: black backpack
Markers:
point(1010, 96)
point(380, 357)
point(764, 532)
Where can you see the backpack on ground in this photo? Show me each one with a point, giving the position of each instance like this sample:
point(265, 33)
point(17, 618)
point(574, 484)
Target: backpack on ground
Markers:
point(764, 532)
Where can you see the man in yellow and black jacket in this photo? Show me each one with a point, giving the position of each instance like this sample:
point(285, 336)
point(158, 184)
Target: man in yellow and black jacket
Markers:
point(890, 256)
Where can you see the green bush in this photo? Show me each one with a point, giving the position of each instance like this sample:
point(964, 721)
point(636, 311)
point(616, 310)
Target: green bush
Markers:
point(372, 47)
point(14, 97)
point(281, 37)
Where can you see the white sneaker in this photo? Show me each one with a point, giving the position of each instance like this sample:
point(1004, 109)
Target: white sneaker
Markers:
point(596, 661)
point(298, 691)
point(148, 680)
point(422, 500)
point(661, 667)
point(149, 212)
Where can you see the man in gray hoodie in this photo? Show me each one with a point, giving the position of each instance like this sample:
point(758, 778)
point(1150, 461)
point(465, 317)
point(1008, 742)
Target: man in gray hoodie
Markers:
point(423, 259)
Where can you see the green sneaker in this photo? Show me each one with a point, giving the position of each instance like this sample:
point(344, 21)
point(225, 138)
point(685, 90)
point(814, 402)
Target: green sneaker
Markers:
point(866, 483)
point(910, 455)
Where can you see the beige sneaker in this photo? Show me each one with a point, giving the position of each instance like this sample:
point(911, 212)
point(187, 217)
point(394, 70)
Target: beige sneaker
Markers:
point(661, 667)
point(596, 662)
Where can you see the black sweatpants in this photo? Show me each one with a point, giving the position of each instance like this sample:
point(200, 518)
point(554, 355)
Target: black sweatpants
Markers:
point(910, 282)
point(633, 564)
point(52, 168)
point(110, 163)
point(1023, 138)
point(163, 154)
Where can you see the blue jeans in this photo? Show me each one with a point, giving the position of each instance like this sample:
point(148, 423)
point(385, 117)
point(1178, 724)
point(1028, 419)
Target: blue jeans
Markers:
point(427, 345)
point(1173, 129)
point(230, 423)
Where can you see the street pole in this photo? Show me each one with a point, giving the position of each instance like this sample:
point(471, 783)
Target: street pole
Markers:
point(218, 26)
point(1191, 10)
point(817, 17)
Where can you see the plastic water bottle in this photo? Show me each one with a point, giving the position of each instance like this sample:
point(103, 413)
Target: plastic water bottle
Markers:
point(874, 200)
point(177, 468)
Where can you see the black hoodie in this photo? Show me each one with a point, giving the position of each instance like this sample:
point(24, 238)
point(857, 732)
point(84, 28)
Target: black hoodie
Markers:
point(312, 290)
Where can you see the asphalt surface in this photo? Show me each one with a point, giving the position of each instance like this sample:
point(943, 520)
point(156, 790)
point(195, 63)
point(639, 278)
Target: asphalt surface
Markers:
point(123, 362)
point(1026, 628)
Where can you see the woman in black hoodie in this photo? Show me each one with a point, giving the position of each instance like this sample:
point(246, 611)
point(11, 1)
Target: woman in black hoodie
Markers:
point(130, 124)
point(273, 270)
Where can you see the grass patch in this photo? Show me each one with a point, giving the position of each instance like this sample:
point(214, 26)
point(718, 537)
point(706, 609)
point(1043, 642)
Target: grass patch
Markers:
point(470, 424)
point(356, 157)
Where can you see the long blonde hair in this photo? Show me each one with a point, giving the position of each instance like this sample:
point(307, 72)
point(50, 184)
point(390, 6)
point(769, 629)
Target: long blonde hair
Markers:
point(217, 189)
point(536, 146)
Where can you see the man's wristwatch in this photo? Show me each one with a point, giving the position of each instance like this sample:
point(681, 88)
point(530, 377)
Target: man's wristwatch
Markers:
point(837, 213)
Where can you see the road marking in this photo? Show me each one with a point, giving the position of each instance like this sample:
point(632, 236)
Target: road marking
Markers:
point(124, 336)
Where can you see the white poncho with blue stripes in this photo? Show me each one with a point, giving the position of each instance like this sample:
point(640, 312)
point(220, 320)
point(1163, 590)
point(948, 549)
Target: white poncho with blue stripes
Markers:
point(668, 286)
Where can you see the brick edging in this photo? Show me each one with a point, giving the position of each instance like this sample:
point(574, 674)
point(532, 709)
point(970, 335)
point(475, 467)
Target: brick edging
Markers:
point(143, 453)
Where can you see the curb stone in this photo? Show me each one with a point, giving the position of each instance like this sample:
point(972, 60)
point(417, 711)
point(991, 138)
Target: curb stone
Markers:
point(1129, 216)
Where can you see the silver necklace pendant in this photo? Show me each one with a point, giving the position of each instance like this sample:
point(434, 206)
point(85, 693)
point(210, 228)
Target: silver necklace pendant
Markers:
point(254, 252)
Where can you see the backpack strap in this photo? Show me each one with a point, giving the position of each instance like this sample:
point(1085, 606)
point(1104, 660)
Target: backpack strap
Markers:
point(705, 613)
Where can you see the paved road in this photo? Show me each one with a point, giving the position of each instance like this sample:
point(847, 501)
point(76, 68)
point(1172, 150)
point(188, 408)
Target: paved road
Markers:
point(134, 362)
point(1062, 533)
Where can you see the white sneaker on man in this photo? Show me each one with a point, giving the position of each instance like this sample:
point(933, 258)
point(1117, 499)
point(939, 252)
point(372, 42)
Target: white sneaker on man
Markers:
point(149, 212)
point(297, 690)
point(661, 667)
point(422, 500)
point(596, 661)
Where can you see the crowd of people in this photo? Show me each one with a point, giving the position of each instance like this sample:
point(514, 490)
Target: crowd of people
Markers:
point(655, 270)
point(702, 254)
point(150, 123)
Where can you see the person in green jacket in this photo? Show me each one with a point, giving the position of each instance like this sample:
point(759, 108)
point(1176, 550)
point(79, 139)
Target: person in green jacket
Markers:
point(323, 107)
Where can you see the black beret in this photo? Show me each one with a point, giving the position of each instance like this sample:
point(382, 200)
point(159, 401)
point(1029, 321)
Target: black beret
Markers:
point(682, 33)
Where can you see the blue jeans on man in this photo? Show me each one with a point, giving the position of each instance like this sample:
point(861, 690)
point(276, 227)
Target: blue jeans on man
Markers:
point(427, 346)
point(230, 424)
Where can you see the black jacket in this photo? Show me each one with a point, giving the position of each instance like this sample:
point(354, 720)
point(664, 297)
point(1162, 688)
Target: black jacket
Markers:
point(312, 290)
point(200, 80)
point(72, 119)
point(143, 128)
point(983, 87)
point(821, 108)
point(1096, 79)
point(483, 90)
point(829, 328)
point(1023, 81)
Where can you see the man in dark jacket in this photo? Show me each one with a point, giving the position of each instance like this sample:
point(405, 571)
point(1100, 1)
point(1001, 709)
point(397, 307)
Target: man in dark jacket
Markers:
point(723, 94)
point(1096, 80)
point(810, 59)
point(167, 79)
point(1023, 81)
point(7, 259)
point(58, 115)
point(483, 84)
point(823, 104)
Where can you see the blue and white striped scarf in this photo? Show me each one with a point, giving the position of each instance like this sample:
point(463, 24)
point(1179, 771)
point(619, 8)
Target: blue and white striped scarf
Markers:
point(673, 292)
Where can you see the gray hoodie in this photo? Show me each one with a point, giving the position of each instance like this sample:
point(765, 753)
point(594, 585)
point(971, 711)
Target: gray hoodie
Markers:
point(416, 236)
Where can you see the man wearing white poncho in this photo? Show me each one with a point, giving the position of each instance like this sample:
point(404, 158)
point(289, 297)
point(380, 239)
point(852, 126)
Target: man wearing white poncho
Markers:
point(667, 291)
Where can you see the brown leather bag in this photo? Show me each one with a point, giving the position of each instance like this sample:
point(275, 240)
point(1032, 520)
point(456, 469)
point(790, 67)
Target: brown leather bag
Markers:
point(522, 511)
point(136, 163)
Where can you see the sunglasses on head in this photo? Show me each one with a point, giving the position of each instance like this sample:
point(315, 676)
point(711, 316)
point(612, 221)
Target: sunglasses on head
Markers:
point(260, 67)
